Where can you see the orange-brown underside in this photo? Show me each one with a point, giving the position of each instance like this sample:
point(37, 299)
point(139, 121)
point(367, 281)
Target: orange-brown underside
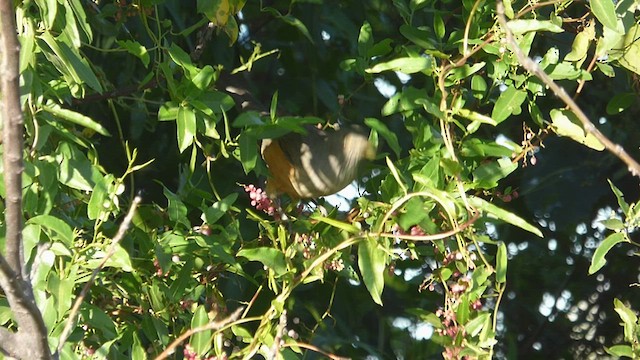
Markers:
point(282, 172)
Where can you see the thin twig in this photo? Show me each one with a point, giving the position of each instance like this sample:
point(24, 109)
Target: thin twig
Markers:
point(124, 226)
point(277, 340)
point(214, 325)
point(532, 67)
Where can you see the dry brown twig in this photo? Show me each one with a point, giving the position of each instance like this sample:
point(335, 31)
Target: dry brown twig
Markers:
point(532, 67)
point(214, 325)
point(122, 230)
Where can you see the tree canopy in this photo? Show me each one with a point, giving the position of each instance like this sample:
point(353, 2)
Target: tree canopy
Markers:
point(496, 221)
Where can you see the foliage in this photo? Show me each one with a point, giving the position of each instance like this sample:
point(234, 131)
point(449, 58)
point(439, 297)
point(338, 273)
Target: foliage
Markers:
point(121, 98)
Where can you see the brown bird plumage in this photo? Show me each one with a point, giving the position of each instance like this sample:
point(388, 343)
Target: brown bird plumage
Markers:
point(315, 164)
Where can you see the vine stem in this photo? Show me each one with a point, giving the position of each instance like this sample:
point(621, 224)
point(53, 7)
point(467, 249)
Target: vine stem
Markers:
point(532, 67)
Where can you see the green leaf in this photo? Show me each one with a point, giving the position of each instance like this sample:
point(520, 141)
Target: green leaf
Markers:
point(480, 276)
point(620, 351)
point(75, 170)
point(138, 352)
point(365, 39)
point(414, 213)
point(486, 176)
point(273, 109)
point(120, 259)
point(27, 51)
point(620, 102)
point(351, 229)
point(200, 82)
point(103, 351)
point(629, 320)
point(503, 215)
point(406, 65)
point(176, 209)
point(605, 12)
point(200, 341)
point(417, 36)
point(372, 263)
point(613, 224)
point(295, 22)
point(501, 263)
point(80, 20)
point(97, 319)
point(567, 70)
point(168, 111)
point(430, 106)
point(136, 49)
point(217, 101)
point(61, 230)
point(70, 60)
point(474, 326)
point(476, 116)
point(631, 50)
point(217, 11)
point(388, 135)
point(521, 26)
point(48, 10)
point(626, 315)
point(380, 48)
point(100, 204)
point(76, 118)
point(509, 102)
point(248, 118)
point(248, 145)
point(182, 59)
point(270, 257)
point(598, 260)
point(478, 86)
point(62, 291)
point(186, 126)
point(439, 26)
point(508, 9)
point(581, 44)
point(403, 101)
point(619, 197)
point(474, 147)
point(212, 214)
point(182, 281)
point(232, 30)
point(464, 71)
point(566, 123)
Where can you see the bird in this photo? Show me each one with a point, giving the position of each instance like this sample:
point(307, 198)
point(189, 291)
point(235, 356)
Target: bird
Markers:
point(317, 163)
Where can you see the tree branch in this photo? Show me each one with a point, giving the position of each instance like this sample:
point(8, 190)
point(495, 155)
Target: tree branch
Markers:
point(13, 134)
point(30, 341)
point(533, 68)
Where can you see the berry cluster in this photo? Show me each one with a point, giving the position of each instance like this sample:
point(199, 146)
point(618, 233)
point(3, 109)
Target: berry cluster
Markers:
point(159, 272)
point(416, 231)
point(508, 196)
point(451, 329)
point(336, 265)
point(261, 201)
point(190, 354)
point(308, 243)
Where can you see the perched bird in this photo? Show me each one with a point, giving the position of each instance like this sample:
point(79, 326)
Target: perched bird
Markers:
point(318, 163)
